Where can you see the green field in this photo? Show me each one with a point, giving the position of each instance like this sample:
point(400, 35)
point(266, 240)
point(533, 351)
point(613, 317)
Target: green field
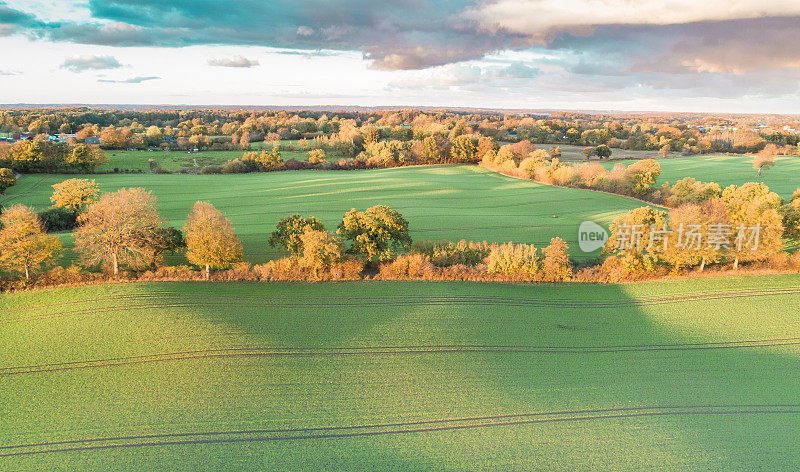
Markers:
point(177, 161)
point(782, 179)
point(440, 202)
point(685, 375)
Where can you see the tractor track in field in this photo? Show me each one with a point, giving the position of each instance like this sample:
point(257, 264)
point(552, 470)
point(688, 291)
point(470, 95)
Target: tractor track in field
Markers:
point(382, 351)
point(382, 429)
point(764, 291)
point(404, 301)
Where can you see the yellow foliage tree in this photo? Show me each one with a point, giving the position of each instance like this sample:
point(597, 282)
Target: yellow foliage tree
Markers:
point(24, 246)
point(75, 194)
point(210, 239)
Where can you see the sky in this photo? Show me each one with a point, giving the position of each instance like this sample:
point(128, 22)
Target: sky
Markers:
point(678, 55)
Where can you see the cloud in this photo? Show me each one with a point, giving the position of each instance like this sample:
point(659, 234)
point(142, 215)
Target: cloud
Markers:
point(236, 61)
point(536, 17)
point(7, 73)
point(305, 31)
point(84, 63)
point(591, 46)
point(518, 70)
point(132, 80)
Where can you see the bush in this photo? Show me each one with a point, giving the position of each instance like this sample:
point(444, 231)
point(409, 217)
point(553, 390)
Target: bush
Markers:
point(181, 272)
point(212, 169)
point(446, 253)
point(408, 266)
point(234, 167)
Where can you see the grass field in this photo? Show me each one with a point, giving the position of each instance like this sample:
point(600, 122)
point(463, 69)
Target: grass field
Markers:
point(685, 375)
point(782, 179)
point(574, 153)
point(440, 202)
point(179, 160)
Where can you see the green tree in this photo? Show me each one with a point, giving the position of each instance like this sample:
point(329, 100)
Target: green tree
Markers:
point(163, 240)
point(290, 230)
point(603, 151)
point(377, 233)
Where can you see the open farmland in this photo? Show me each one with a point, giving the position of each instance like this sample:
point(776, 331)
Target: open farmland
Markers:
point(685, 375)
point(176, 161)
point(440, 202)
point(782, 179)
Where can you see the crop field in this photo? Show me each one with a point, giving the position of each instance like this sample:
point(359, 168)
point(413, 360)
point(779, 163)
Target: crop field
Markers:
point(685, 375)
point(440, 202)
point(177, 161)
point(574, 153)
point(782, 179)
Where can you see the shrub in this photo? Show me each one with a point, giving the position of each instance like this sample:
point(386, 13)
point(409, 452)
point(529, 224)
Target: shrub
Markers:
point(211, 169)
point(407, 266)
point(446, 253)
point(234, 167)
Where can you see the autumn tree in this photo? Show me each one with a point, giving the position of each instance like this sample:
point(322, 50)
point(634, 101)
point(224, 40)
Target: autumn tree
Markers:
point(320, 250)
point(519, 260)
point(75, 194)
point(86, 157)
point(119, 229)
point(603, 151)
point(556, 264)
point(642, 175)
point(377, 233)
point(7, 179)
point(316, 156)
point(24, 245)
point(464, 149)
point(791, 217)
point(210, 239)
point(693, 240)
point(154, 136)
point(290, 230)
point(430, 149)
point(765, 158)
point(757, 224)
point(637, 238)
